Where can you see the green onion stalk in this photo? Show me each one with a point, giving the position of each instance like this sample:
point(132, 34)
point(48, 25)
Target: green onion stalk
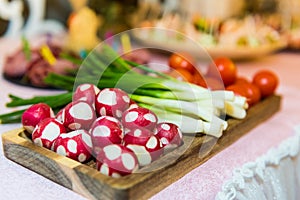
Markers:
point(195, 109)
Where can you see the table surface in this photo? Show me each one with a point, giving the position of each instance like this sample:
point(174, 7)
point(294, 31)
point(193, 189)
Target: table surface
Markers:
point(203, 182)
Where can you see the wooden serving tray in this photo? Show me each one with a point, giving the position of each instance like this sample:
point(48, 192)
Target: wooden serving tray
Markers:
point(86, 180)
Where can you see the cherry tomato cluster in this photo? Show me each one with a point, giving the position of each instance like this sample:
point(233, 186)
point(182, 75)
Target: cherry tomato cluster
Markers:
point(183, 68)
point(223, 74)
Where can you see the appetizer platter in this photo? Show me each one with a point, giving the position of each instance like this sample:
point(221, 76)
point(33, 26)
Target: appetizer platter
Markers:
point(233, 52)
point(246, 38)
point(30, 63)
point(123, 130)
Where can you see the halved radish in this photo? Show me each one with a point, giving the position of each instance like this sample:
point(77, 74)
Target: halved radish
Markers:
point(146, 146)
point(78, 115)
point(46, 132)
point(112, 102)
point(104, 131)
point(139, 118)
point(76, 145)
point(116, 160)
point(169, 135)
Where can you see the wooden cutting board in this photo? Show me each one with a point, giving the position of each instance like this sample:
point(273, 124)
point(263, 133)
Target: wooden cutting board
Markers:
point(86, 180)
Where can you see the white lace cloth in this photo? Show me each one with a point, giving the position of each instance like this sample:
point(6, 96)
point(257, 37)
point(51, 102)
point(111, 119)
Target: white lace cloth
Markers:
point(275, 175)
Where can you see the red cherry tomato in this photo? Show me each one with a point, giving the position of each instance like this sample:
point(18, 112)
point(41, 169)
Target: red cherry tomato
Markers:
point(253, 93)
point(238, 89)
point(182, 61)
point(214, 84)
point(182, 75)
point(226, 68)
point(199, 80)
point(241, 80)
point(266, 81)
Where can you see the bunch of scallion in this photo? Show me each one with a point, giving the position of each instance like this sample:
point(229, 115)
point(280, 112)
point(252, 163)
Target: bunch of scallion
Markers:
point(193, 108)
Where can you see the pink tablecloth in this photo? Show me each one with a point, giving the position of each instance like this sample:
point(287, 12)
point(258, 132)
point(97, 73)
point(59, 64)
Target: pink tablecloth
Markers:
point(203, 182)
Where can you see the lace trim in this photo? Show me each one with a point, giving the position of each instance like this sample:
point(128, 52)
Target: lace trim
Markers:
point(288, 148)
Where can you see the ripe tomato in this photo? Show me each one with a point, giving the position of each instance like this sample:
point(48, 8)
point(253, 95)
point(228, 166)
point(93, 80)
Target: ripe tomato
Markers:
point(241, 80)
point(238, 89)
point(182, 61)
point(182, 75)
point(226, 68)
point(214, 84)
point(199, 80)
point(253, 93)
point(266, 81)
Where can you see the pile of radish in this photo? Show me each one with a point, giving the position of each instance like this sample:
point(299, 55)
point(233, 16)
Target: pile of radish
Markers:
point(103, 125)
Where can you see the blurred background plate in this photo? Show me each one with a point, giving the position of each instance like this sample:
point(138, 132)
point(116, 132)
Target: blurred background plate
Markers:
point(173, 44)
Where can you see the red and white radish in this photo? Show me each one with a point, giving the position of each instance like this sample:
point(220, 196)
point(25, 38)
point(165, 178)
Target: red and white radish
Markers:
point(34, 114)
point(112, 102)
point(146, 146)
point(139, 118)
point(132, 104)
point(76, 145)
point(78, 115)
point(169, 135)
point(86, 92)
point(46, 132)
point(104, 131)
point(59, 116)
point(116, 160)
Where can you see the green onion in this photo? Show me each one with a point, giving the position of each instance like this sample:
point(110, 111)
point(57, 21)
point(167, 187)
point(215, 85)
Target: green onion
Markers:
point(195, 109)
point(189, 125)
point(13, 117)
point(187, 108)
point(53, 101)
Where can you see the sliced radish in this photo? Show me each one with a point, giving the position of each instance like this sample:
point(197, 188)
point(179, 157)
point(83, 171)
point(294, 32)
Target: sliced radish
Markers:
point(146, 146)
point(139, 118)
point(116, 160)
point(112, 102)
point(76, 145)
point(46, 132)
point(169, 135)
point(34, 114)
point(86, 92)
point(78, 115)
point(104, 131)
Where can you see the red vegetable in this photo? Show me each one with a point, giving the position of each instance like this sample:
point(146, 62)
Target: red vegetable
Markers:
point(112, 102)
point(169, 135)
point(76, 145)
point(78, 115)
point(139, 118)
point(238, 89)
point(116, 160)
point(146, 146)
point(266, 81)
point(253, 93)
point(182, 75)
point(226, 68)
point(104, 131)
point(86, 92)
point(34, 114)
point(46, 132)
point(182, 61)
